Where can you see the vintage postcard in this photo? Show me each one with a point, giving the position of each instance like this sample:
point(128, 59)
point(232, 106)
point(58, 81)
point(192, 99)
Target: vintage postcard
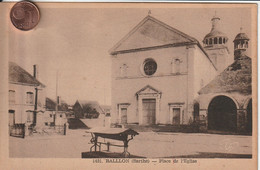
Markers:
point(128, 85)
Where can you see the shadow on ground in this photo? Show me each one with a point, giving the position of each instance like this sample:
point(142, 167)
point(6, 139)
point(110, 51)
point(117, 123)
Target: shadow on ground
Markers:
point(106, 155)
point(199, 155)
point(75, 123)
point(180, 129)
point(214, 155)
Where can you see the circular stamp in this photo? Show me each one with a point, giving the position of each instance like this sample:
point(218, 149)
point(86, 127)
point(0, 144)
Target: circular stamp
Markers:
point(25, 15)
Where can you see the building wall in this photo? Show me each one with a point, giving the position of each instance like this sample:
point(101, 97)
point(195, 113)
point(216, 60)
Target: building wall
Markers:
point(220, 57)
point(174, 87)
point(204, 71)
point(20, 106)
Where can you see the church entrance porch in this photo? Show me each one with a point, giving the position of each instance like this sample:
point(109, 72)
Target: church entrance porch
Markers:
point(148, 100)
point(222, 114)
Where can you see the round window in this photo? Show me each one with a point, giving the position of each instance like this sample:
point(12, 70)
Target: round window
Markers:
point(150, 67)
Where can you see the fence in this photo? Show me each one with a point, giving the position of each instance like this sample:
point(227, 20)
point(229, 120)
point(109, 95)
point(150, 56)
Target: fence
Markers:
point(17, 130)
point(50, 130)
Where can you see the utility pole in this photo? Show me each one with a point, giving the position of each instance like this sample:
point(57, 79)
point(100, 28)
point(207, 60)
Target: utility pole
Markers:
point(57, 100)
point(35, 106)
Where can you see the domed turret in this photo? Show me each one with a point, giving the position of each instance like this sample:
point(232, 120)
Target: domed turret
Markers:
point(240, 44)
point(215, 44)
point(215, 37)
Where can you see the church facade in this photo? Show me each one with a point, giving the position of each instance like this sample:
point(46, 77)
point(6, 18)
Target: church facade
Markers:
point(157, 72)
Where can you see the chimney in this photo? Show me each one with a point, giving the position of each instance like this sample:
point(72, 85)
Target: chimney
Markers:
point(35, 71)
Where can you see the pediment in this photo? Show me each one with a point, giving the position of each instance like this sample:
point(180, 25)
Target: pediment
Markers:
point(148, 90)
point(151, 33)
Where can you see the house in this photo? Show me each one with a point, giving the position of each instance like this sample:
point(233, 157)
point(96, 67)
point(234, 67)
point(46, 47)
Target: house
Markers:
point(55, 115)
point(226, 101)
point(26, 97)
point(157, 72)
point(87, 109)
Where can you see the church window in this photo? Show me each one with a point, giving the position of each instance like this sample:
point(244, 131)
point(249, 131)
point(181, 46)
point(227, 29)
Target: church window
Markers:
point(220, 40)
point(207, 41)
point(243, 44)
point(224, 40)
point(239, 45)
point(176, 66)
point(150, 67)
point(123, 70)
point(215, 40)
point(210, 41)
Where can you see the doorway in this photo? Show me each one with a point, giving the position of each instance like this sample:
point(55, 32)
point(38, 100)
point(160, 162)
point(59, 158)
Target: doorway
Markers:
point(124, 115)
point(149, 109)
point(222, 114)
point(176, 119)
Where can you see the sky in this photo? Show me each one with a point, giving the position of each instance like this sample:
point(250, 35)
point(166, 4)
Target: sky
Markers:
point(74, 42)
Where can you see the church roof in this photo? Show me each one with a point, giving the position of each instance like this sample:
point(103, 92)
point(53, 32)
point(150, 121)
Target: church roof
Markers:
point(215, 33)
point(20, 76)
point(235, 78)
point(215, 30)
point(241, 36)
point(150, 33)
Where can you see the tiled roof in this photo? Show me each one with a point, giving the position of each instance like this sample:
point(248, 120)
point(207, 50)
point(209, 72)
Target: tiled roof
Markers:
point(20, 76)
point(215, 33)
point(51, 105)
point(241, 36)
point(235, 78)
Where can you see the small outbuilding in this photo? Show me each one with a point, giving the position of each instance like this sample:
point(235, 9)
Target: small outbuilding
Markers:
point(87, 109)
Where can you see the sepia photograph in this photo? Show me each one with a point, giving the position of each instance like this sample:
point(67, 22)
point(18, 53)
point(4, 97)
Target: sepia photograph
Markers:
point(132, 83)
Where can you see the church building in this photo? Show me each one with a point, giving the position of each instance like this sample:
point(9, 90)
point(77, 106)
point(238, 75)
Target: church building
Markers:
point(158, 70)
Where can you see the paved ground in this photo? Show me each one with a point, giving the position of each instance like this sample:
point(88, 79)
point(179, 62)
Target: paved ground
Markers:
point(146, 144)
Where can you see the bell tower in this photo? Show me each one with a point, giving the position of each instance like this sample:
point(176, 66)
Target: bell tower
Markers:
point(215, 44)
point(240, 44)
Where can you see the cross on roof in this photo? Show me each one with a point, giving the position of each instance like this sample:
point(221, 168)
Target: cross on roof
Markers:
point(149, 12)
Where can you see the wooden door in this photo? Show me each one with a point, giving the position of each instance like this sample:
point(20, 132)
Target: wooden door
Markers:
point(124, 115)
point(176, 116)
point(149, 106)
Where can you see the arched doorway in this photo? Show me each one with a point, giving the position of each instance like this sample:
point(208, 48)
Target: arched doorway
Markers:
point(249, 116)
point(222, 114)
